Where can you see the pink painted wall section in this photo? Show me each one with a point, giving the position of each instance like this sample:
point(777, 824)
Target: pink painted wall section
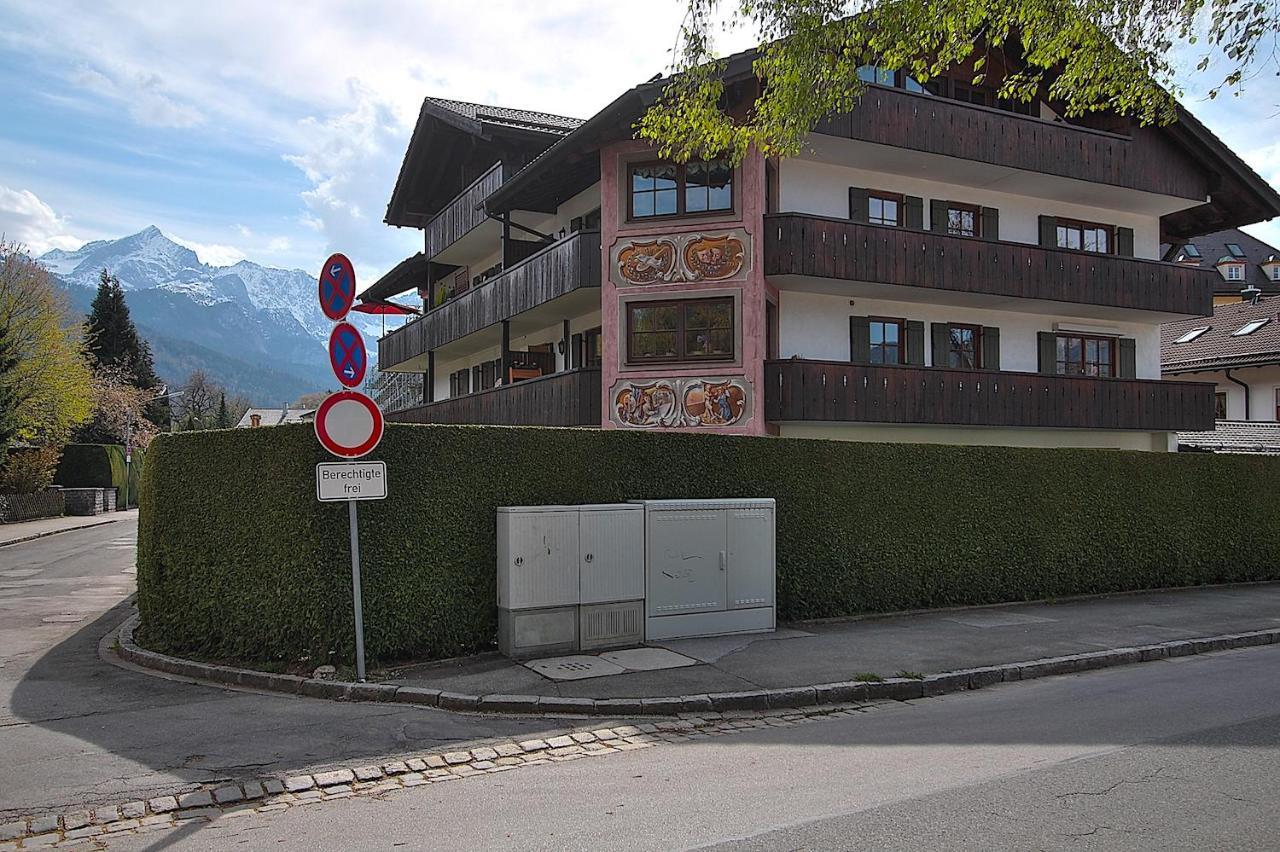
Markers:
point(684, 397)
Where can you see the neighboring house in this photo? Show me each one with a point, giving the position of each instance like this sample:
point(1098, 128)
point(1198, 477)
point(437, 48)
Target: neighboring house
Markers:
point(274, 417)
point(938, 266)
point(1241, 261)
point(1238, 349)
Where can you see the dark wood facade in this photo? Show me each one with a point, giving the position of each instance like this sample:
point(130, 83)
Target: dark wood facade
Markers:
point(797, 244)
point(569, 398)
point(833, 391)
point(1147, 161)
point(463, 213)
point(570, 264)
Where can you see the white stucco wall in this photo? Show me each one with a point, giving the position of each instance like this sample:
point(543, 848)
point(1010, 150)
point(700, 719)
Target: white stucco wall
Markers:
point(816, 325)
point(1160, 442)
point(1264, 385)
point(807, 186)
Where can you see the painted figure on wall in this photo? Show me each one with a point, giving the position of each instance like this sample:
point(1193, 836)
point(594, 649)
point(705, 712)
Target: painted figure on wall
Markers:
point(648, 262)
point(713, 258)
point(647, 405)
point(677, 259)
point(714, 403)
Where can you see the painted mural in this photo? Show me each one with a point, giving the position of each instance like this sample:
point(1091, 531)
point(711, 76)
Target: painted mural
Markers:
point(681, 258)
point(669, 403)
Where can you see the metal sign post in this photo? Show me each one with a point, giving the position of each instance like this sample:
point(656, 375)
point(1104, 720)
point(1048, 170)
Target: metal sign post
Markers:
point(355, 589)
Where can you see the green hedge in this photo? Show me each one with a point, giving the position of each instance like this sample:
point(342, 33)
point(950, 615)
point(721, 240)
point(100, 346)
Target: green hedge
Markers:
point(100, 466)
point(238, 560)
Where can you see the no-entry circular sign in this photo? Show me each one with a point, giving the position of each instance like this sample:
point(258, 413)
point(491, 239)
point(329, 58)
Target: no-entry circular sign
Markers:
point(347, 355)
point(337, 286)
point(348, 424)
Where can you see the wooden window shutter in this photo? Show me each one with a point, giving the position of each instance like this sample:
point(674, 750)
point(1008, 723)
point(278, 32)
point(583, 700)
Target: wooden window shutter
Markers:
point(1124, 242)
point(937, 215)
point(991, 348)
point(578, 348)
point(857, 204)
point(990, 223)
point(1128, 358)
point(860, 340)
point(915, 343)
point(1049, 231)
point(940, 333)
point(913, 212)
point(1048, 349)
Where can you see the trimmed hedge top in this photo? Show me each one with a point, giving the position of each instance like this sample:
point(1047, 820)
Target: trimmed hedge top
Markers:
point(100, 466)
point(238, 560)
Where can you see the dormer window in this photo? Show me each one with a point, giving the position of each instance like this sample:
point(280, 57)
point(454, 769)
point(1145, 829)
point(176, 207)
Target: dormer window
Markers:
point(1192, 334)
point(1271, 267)
point(1234, 272)
point(1250, 327)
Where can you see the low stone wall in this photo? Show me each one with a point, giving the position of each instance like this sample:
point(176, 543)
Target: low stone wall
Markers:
point(108, 499)
point(26, 507)
point(85, 501)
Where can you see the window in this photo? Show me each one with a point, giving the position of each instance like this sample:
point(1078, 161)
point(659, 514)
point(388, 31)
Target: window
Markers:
point(1277, 403)
point(685, 330)
point(876, 74)
point(1192, 334)
point(963, 220)
point(888, 339)
point(884, 209)
point(1084, 236)
point(1275, 272)
point(1249, 327)
point(591, 342)
point(1220, 405)
point(964, 347)
point(1085, 355)
point(1234, 250)
point(1190, 250)
point(671, 189)
point(1233, 272)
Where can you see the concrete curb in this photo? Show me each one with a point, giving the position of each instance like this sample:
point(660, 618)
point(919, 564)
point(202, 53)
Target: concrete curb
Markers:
point(898, 689)
point(47, 533)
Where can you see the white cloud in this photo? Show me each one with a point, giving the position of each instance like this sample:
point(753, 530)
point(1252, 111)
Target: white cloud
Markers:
point(213, 254)
point(143, 93)
point(27, 220)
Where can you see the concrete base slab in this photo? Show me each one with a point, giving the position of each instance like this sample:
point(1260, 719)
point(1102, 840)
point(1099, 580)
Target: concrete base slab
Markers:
point(648, 659)
point(574, 667)
point(998, 619)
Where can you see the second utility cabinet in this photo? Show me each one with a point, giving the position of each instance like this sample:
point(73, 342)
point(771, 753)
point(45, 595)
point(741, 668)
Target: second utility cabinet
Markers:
point(710, 567)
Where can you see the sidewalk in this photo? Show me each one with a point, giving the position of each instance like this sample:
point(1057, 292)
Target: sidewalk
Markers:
point(27, 530)
point(926, 643)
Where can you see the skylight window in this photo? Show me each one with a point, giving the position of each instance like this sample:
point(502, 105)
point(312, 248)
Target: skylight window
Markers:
point(1192, 334)
point(1250, 327)
point(1235, 250)
point(1190, 250)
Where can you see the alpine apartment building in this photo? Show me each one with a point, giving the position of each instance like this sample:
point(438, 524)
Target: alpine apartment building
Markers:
point(937, 266)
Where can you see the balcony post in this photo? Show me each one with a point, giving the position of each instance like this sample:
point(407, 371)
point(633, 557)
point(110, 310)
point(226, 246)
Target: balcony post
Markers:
point(564, 345)
point(505, 368)
point(429, 379)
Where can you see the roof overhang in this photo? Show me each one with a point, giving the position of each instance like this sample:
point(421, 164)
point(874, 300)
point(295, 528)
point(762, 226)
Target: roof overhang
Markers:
point(406, 275)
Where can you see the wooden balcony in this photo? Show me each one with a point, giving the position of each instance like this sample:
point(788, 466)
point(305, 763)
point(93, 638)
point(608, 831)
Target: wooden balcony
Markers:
point(1146, 161)
point(798, 244)
point(570, 398)
point(463, 213)
point(571, 264)
point(832, 391)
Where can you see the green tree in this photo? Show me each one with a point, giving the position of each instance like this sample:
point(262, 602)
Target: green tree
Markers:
point(1085, 55)
point(223, 419)
point(114, 343)
point(51, 381)
point(10, 396)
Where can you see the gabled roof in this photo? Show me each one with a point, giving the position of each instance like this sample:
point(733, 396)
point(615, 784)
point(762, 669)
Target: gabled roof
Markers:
point(1217, 348)
point(1235, 436)
point(1214, 246)
point(454, 142)
point(275, 416)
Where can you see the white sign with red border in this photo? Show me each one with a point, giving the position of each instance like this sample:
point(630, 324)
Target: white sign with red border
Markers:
point(349, 424)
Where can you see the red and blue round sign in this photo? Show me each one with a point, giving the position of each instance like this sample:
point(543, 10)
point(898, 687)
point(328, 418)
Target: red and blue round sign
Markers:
point(347, 354)
point(337, 286)
point(348, 424)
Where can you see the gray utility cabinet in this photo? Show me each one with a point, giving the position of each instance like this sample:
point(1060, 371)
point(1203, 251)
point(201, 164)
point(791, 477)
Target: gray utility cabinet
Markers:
point(710, 567)
point(570, 578)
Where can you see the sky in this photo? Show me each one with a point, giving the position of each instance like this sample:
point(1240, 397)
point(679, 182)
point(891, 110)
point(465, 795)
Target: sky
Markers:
point(273, 131)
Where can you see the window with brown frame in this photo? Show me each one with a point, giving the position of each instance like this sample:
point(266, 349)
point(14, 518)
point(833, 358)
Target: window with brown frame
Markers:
point(657, 190)
point(1086, 355)
point(680, 330)
point(884, 208)
point(964, 346)
point(1085, 236)
point(964, 220)
point(888, 341)
point(591, 347)
point(1220, 405)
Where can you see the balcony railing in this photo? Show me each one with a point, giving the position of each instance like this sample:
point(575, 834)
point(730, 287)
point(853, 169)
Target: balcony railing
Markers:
point(561, 399)
point(797, 244)
point(568, 265)
point(463, 213)
point(1146, 161)
point(832, 391)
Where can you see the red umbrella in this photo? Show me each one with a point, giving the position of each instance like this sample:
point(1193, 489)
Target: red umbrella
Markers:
point(384, 309)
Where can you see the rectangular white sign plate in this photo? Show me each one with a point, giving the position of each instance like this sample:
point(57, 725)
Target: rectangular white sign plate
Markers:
point(366, 480)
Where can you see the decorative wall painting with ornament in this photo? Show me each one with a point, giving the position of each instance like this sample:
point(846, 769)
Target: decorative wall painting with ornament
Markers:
point(672, 403)
point(680, 258)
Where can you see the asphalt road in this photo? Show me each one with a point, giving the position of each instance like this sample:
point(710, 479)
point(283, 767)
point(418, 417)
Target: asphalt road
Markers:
point(1179, 754)
point(76, 730)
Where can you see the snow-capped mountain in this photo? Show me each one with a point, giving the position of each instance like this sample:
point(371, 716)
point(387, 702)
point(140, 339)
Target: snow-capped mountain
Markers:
point(255, 329)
